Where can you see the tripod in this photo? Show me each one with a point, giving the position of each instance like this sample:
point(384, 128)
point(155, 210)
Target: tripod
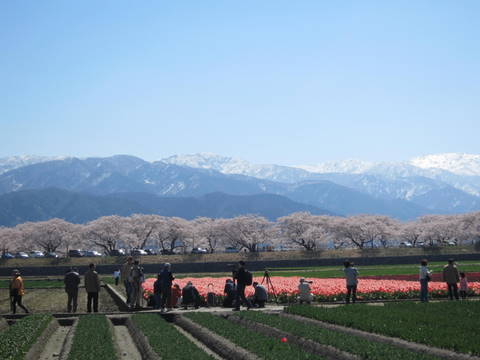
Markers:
point(268, 281)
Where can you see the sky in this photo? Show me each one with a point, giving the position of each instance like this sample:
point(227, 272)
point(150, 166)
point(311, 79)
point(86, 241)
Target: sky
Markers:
point(286, 82)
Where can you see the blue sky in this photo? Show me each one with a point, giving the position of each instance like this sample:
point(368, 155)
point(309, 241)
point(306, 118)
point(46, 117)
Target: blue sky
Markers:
point(288, 82)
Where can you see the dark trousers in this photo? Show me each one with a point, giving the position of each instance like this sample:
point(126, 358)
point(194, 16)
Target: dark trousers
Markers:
point(351, 292)
point(423, 290)
point(128, 290)
point(92, 297)
point(17, 300)
point(166, 296)
point(259, 303)
point(241, 296)
point(72, 300)
point(452, 291)
point(463, 294)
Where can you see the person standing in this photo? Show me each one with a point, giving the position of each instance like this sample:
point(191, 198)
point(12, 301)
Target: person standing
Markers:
point(424, 277)
point(260, 296)
point(116, 276)
point(124, 274)
point(135, 278)
point(304, 291)
point(166, 281)
point(92, 286)
point(451, 276)
point(351, 277)
point(17, 290)
point(244, 278)
point(463, 286)
point(71, 281)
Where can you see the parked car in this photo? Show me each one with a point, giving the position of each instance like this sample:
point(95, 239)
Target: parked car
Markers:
point(231, 249)
point(21, 255)
point(7, 255)
point(199, 250)
point(51, 255)
point(138, 252)
point(92, 253)
point(151, 251)
point(407, 244)
point(75, 253)
point(36, 254)
point(117, 252)
point(451, 243)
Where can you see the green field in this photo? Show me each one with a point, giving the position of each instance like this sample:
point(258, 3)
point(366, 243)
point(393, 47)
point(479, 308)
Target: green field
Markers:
point(452, 325)
point(346, 342)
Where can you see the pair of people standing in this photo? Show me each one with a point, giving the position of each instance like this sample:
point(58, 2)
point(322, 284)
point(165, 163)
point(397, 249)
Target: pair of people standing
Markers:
point(131, 275)
point(92, 287)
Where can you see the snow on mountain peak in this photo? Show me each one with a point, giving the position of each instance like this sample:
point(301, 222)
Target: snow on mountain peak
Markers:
point(350, 166)
point(457, 163)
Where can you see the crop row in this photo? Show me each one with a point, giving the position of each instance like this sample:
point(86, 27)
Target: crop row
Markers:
point(449, 325)
point(263, 346)
point(93, 339)
point(345, 342)
point(16, 340)
point(166, 340)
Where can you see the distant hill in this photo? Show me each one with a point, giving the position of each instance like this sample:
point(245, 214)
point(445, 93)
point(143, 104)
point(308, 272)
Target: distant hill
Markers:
point(40, 205)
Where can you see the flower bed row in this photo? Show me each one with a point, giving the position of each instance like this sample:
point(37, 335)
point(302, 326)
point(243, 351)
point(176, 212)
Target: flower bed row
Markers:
point(331, 289)
point(345, 342)
point(263, 346)
point(166, 340)
point(93, 339)
point(451, 325)
point(16, 340)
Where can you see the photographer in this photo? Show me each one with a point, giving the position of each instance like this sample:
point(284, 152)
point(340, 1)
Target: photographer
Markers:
point(244, 278)
point(261, 296)
point(304, 291)
point(230, 292)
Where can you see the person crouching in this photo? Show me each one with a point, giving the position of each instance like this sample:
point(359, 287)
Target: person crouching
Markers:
point(190, 296)
point(261, 296)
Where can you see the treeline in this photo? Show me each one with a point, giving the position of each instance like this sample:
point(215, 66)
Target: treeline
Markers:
point(253, 233)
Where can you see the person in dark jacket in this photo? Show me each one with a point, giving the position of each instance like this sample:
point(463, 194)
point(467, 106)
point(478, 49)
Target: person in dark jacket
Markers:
point(92, 286)
point(166, 279)
point(71, 281)
point(230, 292)
point(157, 291)
point(190, 296)
point(242, 278)
point(261, 296)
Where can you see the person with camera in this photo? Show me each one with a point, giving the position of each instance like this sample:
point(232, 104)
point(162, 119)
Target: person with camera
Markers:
point(243, 278)
point(261, 296)
point(351, 277)
point(304, 291)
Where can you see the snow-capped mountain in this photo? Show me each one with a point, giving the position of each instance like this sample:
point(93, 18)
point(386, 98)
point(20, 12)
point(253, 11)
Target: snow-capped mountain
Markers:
point(459, 164)
point(351, 166)
point(13, 162)
point(229, 165)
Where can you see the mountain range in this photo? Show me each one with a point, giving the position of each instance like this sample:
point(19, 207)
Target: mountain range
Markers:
point(217, 186)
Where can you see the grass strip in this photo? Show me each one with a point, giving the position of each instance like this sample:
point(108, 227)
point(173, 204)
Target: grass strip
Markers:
point(447, 325)
point(166, 340)
point(345, 342)
point(93, 339)
point(259, 344)
point(16, 340)
point(33, 284)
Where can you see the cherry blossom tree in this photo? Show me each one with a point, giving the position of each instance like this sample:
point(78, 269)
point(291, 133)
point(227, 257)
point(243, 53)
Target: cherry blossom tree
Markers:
point(246, 231)
point(305, 230)
point(141, 227)
point(171, 233)
point(48, 235)
point(10, 239)
point(108, 233)
point(209, 232)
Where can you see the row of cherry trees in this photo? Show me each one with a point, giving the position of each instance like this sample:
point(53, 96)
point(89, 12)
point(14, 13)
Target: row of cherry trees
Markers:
point(299, 230)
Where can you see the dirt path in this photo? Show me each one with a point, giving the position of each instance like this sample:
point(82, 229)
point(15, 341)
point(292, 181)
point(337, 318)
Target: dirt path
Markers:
point(124, 343)
point(53, 347)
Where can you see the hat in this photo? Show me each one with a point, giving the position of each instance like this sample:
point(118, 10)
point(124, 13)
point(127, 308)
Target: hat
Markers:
point(302, 279)
point(16, 272)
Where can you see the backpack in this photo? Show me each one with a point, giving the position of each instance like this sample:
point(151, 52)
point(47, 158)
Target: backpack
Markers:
point(248, 278)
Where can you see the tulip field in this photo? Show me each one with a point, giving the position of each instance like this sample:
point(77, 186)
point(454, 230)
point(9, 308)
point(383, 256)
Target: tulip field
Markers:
point(327, 289)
